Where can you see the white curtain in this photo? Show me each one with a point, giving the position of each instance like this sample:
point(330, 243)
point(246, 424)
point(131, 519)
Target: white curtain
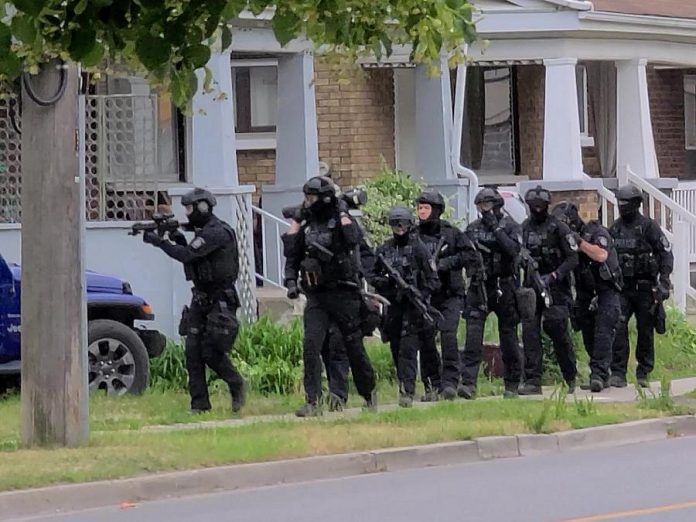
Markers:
point(601, 87)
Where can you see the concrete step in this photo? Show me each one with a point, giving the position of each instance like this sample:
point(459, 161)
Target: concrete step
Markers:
point(273, 302)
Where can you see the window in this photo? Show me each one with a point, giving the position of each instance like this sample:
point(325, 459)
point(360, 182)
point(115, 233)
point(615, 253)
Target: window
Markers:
point(690, 112)
point(255, 95)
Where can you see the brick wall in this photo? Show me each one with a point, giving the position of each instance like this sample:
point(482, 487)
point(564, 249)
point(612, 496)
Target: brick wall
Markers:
point(666, 90)
point(355, 119)
point(586, 200)
point(256, 167)
point(356, 122)
point(530, 110)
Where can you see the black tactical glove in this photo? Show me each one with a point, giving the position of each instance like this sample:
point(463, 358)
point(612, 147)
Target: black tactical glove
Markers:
point(548, 279)
point(489, 219)
point(662, 290)
point(152, 238)
point(178, 237)
point(293, 290)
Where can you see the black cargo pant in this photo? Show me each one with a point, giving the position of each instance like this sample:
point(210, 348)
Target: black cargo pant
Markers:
point(335, 359)
point(406, 334)
point(505, 309)
point(451, 309)
point(636, 298)
point(342, 308)
point(208, 342)
point(598, 329)
point(555, 323)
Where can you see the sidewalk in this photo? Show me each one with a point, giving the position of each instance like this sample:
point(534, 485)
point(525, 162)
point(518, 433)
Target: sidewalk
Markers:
point(679, 387)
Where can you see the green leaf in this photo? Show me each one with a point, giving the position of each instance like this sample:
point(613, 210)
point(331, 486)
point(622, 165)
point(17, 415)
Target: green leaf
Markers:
point(23, 29)
point(152, 51)
point(82, 42)
point(232, 10)
point(94, 57)
point(80, 7)
point(10, 65)
point(226, 37)
point(198, 55)
point(286, 25)
point(5, 38)
point(183, 86)
point(31, 7)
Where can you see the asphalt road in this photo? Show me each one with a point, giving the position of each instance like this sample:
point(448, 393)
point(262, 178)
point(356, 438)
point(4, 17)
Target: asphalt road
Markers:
point(638, 483)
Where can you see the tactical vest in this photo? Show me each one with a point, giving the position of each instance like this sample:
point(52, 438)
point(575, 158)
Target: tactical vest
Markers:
point(497, 263)
point(544, 246)
point(325, 261)
point(403, 259)
point(218, 269)
point(636, 256)
point(452, 282)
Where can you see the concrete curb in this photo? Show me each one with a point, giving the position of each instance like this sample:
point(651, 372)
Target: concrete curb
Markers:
point(55, 499)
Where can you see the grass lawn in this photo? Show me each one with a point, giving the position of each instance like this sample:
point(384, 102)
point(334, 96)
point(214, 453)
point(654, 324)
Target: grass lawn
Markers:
point(115, 454)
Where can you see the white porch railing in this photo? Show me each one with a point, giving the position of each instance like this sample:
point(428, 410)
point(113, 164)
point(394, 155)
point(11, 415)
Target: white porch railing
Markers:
point(271, 250)
point(685, 196)
point(677, 223)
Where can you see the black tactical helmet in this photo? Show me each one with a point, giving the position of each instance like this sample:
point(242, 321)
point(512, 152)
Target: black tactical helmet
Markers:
point(198, 194)
point(487, 195)
point(537, 195)
point(432, 198)
point(629, 193)
point(320, 186)
point(400, 216)
point(567, 211)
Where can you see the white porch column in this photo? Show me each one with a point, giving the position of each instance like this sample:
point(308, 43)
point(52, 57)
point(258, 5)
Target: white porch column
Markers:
point(634, 133)
point(433, 125)
point(297, 149)
point(213, 151)
point(562, 148)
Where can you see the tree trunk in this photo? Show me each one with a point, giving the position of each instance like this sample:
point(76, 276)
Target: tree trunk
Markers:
point(54, 373)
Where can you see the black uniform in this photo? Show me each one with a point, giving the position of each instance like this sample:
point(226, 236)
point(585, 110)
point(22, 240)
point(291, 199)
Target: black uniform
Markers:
point(552, 245)
point(499, 247)
point(211, 262)
point(322, 257)
point(597, 307)
point(453, 251)
point(646, 262)
point(406, 328)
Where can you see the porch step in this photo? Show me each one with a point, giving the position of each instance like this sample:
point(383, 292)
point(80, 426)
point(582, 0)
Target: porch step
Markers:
point(273, 302)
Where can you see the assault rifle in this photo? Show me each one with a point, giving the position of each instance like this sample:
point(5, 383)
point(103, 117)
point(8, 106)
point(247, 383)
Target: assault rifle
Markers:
point(531, 268)
point(411, 293)
point(479, 278)
point(161, 223)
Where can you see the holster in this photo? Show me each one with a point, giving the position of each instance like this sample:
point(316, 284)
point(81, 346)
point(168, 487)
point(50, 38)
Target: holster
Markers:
point(526, 300)
point(660, 319)
point(184, 322)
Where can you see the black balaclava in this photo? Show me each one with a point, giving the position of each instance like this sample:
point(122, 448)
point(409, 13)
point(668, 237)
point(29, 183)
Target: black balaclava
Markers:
point(628, 210)
point(197, 218)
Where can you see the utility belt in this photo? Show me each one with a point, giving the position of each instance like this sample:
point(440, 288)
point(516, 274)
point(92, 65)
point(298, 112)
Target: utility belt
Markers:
point(209, 298)
point(638, 265)
point(640, 285)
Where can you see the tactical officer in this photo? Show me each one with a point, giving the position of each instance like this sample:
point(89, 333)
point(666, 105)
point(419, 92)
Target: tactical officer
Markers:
point(211, 261)
point(597, 306)
point(321, 257)
point(452, 251)
point(550, 255)
point(492, 290)
point(646, 261)
point(406, 328)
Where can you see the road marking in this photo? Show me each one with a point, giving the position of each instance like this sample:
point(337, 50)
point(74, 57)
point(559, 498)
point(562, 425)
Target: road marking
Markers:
point(635, 512)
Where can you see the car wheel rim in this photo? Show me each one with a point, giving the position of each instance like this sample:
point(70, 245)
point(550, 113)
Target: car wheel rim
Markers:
point(111, 367)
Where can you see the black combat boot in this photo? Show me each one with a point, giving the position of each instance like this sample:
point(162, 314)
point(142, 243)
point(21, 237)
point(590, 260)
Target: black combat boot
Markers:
point(449, 393)
point(336, 403)
point(529, 389)
point(309, 409)
point(466, 391)
point(617, 381)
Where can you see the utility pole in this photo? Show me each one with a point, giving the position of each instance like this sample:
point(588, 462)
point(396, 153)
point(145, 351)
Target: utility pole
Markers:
point(54, 365)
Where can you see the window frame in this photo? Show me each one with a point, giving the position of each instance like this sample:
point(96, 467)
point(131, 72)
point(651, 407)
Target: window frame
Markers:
point(586, 140)
point(248, 137)
point(689, 112)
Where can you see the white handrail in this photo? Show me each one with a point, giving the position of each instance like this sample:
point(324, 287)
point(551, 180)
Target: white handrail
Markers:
point(277, 226)
point(663, 199)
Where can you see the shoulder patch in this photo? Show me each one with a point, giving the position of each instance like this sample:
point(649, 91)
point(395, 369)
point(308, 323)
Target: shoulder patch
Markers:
point(570, 238)
point(665, 243)
point(602, 241)
point(197, 243)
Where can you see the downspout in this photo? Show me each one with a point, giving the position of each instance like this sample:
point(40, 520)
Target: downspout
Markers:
point(456, 145)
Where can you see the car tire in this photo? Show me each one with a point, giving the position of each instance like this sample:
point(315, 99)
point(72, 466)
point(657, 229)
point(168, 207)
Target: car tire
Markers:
point(117, 359)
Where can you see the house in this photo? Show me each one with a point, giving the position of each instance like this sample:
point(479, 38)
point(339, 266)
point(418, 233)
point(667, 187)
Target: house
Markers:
point(570, 93)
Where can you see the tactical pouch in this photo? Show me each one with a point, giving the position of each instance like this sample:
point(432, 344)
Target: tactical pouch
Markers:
point(184, 322)
point(222, 326)
point(526, 301)
point(575, 317)
point(660, 319)
point(370, 318)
